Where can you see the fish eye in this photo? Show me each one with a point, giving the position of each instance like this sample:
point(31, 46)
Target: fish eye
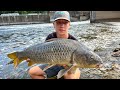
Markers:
point(91, 57)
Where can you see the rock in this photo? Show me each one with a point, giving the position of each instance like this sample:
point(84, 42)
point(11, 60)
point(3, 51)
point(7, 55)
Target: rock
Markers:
point(116, 54)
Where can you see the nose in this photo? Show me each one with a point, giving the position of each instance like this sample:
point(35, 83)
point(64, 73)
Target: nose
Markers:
point(62, 25)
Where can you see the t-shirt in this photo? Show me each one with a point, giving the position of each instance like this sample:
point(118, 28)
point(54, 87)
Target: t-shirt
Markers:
point(53, 35)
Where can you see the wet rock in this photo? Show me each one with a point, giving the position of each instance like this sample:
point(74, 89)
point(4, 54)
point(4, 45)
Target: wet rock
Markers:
point(116, 54)
point(116, 50)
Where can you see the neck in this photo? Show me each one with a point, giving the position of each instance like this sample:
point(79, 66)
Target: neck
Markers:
point(62, 35)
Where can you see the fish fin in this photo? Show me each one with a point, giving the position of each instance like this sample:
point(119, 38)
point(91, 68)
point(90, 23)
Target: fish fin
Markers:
point(61, 73)
point(64, 71)
point(12, 55)
point(49, 66)
point(72, 70)
point(11, 62)
point(20, 60)
point(30, 63)
point(16, 61)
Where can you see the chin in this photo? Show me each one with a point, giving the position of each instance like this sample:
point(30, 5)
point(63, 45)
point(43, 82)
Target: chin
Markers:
point(62, 33)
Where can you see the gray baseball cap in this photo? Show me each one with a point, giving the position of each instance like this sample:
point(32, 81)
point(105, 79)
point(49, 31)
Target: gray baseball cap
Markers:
point(61, 15)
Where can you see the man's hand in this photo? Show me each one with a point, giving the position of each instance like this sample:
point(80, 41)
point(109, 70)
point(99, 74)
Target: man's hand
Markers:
point(27, 60)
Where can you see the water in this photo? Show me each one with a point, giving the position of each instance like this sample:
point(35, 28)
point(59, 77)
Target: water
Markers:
point(18, 37)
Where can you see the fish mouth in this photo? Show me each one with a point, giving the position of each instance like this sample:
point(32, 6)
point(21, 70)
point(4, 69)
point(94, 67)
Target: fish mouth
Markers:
point(99, 65)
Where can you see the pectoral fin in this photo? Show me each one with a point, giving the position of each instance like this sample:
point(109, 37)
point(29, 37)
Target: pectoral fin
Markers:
point(64, 71)
point(61, 73)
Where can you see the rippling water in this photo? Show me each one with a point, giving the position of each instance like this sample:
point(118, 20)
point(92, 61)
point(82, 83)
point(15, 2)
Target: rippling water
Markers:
point(18, 37)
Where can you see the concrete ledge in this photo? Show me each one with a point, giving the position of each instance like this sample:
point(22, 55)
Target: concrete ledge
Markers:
point(20, 23)
point(108, 20)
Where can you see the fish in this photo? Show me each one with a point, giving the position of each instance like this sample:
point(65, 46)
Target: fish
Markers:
point(58, 51)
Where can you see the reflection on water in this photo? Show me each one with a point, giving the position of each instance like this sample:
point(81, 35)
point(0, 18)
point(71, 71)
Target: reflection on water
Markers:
point(19, 37)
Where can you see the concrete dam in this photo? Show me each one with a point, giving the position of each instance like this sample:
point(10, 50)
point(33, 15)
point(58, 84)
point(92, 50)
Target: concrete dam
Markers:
point(24, 19)
point(40, 18)
point(105, 16)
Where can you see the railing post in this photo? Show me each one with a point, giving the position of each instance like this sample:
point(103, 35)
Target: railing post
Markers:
point(92, 16)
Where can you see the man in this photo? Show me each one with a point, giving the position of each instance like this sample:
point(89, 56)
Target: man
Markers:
point(61, 24)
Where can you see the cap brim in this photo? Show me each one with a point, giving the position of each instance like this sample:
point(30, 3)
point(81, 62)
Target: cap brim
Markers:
point(62, 18)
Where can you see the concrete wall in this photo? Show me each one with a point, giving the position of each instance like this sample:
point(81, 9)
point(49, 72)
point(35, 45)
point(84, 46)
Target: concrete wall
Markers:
point(24, 19)
point(107, 14)
point(41, 18)
point(101, 16)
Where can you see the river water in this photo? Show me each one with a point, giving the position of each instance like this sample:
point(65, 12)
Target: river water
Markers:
point(100, 37)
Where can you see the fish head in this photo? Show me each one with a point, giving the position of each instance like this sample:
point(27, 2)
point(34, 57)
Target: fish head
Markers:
point(90, 60)
point(93, 60)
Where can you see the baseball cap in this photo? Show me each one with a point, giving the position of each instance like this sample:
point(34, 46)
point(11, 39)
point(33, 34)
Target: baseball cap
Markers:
point(61, 15)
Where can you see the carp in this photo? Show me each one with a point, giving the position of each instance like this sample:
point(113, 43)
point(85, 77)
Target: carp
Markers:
point(58, 51)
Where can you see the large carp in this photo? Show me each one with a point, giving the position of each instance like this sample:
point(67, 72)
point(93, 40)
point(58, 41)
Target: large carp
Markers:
point(58, 51)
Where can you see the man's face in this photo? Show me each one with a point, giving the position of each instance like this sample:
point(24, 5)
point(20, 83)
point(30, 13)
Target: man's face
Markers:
point(61, 26)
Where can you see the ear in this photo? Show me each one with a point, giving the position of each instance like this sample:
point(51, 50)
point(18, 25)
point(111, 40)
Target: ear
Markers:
point(69, 24)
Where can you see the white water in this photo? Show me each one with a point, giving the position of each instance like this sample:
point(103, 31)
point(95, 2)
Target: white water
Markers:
point(18, 37)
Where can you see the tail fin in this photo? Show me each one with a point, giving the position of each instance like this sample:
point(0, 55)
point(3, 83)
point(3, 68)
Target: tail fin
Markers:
point(15, 58)
point(12, 55)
